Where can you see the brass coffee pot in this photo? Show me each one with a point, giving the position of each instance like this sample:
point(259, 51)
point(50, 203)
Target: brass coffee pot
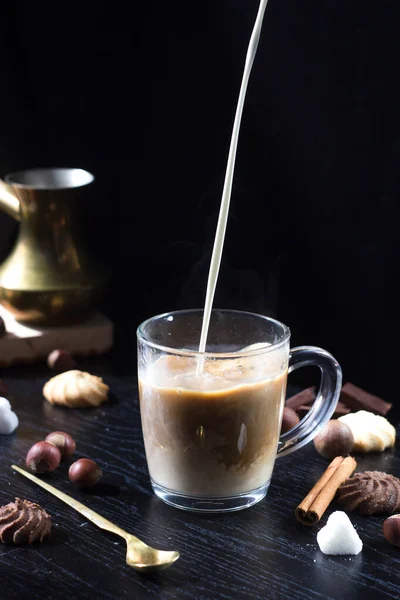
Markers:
point(49, 278)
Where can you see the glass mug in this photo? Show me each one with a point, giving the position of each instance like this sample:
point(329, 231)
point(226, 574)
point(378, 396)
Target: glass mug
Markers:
point(211, 421)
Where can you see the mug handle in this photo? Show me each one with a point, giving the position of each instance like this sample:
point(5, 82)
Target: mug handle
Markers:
point(325, 402)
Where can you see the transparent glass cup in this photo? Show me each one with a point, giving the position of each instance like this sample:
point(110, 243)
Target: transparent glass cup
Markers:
point(211, 421)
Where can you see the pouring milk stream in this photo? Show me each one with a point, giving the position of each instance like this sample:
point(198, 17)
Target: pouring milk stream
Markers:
point(226, 194)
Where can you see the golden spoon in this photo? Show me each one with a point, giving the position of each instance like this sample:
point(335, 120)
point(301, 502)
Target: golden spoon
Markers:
point(139, 555)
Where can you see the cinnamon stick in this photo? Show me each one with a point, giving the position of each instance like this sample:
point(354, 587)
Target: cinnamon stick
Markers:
point(311, 509)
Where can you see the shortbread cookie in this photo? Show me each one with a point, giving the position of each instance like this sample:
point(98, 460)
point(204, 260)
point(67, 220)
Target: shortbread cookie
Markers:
point(76, 389)
point(372, 433)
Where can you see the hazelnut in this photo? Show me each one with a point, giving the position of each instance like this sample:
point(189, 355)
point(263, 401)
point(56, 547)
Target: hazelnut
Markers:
point(85, 472)
point(60, 361)
point(289, 419)
point(334, 439)
point(391, 530)
point(3, 329)
point(43, 457)
point(64, 442)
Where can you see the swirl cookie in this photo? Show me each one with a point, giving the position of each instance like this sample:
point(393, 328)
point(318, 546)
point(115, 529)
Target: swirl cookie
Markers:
point(23, 522)
point(370, 493)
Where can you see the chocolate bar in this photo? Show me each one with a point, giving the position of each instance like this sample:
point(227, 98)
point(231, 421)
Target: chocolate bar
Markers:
point(303, 398)
point(357, 399)
point(340, 410)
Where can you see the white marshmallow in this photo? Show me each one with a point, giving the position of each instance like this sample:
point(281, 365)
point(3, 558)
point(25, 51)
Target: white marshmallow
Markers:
point(339, 536)
point(8, 419)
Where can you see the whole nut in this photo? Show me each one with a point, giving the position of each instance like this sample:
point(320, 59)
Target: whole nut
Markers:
point(85, 472)
point(3, 329)
point(334, 439)
point(3, 388)
point(64, 442)
point(43, 457)
point(391, 530)
point(289, 419)
point(60, 361)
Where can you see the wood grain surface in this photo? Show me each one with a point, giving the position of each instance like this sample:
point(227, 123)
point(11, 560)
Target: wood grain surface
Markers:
point(261, 552)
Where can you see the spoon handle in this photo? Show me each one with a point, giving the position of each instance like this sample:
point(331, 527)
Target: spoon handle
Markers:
point(81, 508)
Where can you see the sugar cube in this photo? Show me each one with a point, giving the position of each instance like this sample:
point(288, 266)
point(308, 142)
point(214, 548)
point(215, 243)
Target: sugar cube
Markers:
point(339, 536)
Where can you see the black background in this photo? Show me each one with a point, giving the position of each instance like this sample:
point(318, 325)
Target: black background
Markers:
point(144, 95)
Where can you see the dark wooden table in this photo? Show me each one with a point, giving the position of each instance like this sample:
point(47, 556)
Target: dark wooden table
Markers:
point(261, 552)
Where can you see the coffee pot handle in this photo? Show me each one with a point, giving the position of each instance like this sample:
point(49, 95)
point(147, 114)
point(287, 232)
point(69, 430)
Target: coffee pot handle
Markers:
point(8, 201)
point(325, 402)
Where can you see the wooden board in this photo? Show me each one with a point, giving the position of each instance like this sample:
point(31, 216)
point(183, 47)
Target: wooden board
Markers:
point(28, 344)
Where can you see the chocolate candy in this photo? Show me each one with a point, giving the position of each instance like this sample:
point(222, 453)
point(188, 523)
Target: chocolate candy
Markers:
point(357, 399)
